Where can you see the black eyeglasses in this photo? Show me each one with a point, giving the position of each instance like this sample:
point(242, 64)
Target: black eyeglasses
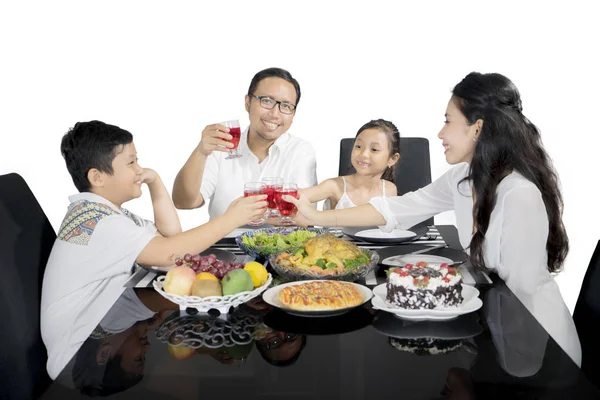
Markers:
point(269, 103)
point(276, 341)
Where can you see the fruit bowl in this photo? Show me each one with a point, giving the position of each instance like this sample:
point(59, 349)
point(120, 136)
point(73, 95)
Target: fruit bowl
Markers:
point(349, 274)
point(266, 250)
point(204, 304)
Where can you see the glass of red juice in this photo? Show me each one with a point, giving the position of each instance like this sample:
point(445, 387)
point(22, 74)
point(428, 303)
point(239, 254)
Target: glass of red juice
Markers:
point(255, 189)
point(272, 185)
point(286, 209)
point(235, 132)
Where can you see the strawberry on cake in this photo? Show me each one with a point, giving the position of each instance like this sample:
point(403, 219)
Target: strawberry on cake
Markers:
point(422, 286)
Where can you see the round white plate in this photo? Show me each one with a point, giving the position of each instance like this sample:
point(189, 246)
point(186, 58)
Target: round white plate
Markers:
point(470, 303)
point(270, 297)
point(462, 327)
point(401, 260)
point(379, 234)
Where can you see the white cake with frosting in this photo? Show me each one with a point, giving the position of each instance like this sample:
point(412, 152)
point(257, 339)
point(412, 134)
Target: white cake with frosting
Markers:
point(423, 286)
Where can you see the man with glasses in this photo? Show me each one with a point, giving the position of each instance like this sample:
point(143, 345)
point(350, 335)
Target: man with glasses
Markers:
point(266, 147)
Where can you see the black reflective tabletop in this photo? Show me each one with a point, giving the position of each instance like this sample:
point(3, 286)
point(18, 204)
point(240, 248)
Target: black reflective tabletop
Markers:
point(259, 352)
point(500, 351)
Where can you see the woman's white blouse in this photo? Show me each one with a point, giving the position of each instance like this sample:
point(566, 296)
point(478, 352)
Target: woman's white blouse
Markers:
point(515, 242)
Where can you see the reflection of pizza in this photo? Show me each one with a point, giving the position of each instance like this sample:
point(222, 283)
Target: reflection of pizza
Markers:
point(321, 296)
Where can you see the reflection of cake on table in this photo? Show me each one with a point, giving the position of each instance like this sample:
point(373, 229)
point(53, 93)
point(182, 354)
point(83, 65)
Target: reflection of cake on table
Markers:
point(425, 346)
point(421, 286)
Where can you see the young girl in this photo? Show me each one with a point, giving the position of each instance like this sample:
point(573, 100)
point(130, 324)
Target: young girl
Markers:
point(374, 155)
point(503, 190)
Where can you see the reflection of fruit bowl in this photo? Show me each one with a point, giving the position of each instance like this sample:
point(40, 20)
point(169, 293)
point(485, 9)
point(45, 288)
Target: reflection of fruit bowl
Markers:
point(348, 274)
point(187, 335)
point(204, 304)
point(267, 250)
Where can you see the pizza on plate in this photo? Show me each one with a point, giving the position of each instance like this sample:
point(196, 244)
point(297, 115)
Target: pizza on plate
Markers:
point(321, 296)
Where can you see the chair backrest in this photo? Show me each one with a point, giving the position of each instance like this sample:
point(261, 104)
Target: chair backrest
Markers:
point(413, 170)
point(587, 316)
point(26, 239)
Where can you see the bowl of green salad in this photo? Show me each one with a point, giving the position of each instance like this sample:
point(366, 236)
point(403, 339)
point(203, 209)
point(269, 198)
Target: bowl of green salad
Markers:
point(261, 243)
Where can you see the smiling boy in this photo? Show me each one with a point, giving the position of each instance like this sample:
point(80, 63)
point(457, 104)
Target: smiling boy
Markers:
point(98, 241)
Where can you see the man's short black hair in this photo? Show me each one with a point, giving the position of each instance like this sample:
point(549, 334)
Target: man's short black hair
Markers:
point(274, 73)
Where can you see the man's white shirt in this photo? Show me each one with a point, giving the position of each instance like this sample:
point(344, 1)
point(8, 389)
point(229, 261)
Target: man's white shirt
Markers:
point(290, 157)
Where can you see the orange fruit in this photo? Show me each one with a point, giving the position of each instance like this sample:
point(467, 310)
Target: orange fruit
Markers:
point(206, 275)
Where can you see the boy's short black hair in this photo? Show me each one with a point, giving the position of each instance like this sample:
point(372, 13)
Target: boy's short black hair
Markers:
point(92, 144)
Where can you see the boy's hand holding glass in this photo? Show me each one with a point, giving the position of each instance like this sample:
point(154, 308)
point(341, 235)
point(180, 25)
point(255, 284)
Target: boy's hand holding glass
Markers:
point(246, 209)
point(256, 189)
point(215, 137)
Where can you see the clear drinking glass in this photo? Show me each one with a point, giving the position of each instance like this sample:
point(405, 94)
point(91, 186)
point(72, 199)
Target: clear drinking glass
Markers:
point(272, 184)
point(286, 209)
point(255, 189)
point(234, 130)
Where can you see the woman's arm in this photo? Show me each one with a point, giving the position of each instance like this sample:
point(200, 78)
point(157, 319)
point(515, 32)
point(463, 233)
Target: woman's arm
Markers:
point(412, 208)
point(403, 211)
point(364, 215)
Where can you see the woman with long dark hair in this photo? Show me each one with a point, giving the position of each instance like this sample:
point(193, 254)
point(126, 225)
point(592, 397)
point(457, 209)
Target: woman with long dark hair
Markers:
point(503, 189)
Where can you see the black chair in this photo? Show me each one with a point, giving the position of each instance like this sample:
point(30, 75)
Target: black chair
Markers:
point(587, 316)
point(26, 238)
point(413, 170)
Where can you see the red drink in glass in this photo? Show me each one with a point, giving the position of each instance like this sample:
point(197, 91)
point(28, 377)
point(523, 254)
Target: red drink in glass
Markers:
point(286, 208)
point(255, 189)
point(272, 185)
point(248, 193)
point(270, 192)
point(236, 133)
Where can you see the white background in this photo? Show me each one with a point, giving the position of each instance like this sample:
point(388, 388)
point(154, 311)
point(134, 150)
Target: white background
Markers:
point(165, 70)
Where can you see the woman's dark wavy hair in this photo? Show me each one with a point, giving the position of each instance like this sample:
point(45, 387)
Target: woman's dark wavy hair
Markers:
point(507, 142)
point(393, 136)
